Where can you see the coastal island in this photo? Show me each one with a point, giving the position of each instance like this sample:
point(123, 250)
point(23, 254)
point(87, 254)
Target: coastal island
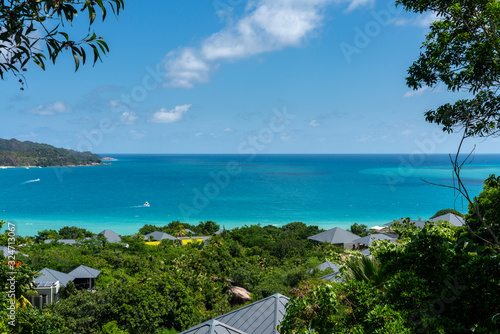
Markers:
point(14, 153)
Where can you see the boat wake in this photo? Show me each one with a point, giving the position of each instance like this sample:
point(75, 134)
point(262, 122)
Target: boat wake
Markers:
point(145, 205)
point(31, 181)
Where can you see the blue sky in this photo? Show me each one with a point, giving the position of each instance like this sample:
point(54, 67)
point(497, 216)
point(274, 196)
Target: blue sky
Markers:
point(234, 76)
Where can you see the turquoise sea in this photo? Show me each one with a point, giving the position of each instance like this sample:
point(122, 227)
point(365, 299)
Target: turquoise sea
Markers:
point(234, 190)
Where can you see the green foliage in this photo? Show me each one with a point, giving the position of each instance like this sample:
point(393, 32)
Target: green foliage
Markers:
point(487, 205)
point(46, 234)
point(31, 320)
point(208, 227)
point(16, 153)
point(112, 328)
point(433, 280)
point(359, 229)
point(317, 310)
point(462, 51)
point(366, 269)
point(429, 282)
point(68, 290)
point(446, 211)
point(23, 25)
point(74, 232)
point(169, 288)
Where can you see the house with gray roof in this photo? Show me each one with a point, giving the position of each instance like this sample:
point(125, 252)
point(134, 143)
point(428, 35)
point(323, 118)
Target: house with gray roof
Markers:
point(450, 217)
point(336, 236)
point(417, 223)
point(51, 276)
point(213, 327)
point(261, 317)
point(328, 265)
point(48, 285)
point(158, 236)
point(111, 236)
point(332, 277)
point(8, 252)
point(370, 238)
point(61, 241)
point(50, 281)
point(84, 277)
point(65, 241)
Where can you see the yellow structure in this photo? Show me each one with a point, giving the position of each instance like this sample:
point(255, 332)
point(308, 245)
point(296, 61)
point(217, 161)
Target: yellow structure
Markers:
point(153, 243)
point(188, 241)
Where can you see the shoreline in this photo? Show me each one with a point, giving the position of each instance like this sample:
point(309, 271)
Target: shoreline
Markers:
point(28, 167)
point(30, 227)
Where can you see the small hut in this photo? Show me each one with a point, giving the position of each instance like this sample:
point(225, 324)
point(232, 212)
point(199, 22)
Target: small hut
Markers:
point(84, 277)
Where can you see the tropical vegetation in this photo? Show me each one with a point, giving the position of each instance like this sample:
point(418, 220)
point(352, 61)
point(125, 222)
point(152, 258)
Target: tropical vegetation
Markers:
point(16, 153)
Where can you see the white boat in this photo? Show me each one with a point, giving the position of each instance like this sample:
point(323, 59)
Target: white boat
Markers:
point(146, 204)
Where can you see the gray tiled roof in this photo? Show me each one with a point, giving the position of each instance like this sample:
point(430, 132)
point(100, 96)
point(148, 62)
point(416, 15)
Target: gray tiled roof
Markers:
point(50, 276)
point(368, 240)
point(159, 236)
point(328, 265)
point(449, 217)
point(84, 272)
point(332, 277)
point(261, 317)
point(61, 241)
point(6, 251)
point(335, 236)
point(418, 223)
point(213, 327)
point(366, 252)
point(111, 236)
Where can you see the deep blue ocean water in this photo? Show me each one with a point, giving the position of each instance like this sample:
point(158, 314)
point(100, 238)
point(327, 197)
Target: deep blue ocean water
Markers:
point(234, 190)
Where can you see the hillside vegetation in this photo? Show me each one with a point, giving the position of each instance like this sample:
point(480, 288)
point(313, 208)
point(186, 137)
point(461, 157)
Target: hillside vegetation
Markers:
point(16, 153)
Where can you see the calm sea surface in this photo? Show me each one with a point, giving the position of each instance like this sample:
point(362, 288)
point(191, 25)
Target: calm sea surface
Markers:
point(234, 190)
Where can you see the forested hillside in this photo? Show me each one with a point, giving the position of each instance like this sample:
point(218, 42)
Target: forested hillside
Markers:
point(16, 153)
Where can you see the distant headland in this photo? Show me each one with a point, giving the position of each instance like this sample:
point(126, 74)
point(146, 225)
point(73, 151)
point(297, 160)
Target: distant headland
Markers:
point(14, 153)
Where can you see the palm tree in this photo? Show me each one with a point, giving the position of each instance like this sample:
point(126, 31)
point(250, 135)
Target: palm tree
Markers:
point(366, 269)
point(180, 231)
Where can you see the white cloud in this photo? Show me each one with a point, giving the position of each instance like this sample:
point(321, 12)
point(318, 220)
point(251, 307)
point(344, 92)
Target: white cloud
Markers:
point(359, 3)
point(51, 109)
point(138, 134)
point(406, 132)
point(228, 130)
point(266, 26)
point(314, 123)
point(197, 134)
point(422, 20)
point(128, 117)
point(170, 116)
point(186, 67)
point(417, 92)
